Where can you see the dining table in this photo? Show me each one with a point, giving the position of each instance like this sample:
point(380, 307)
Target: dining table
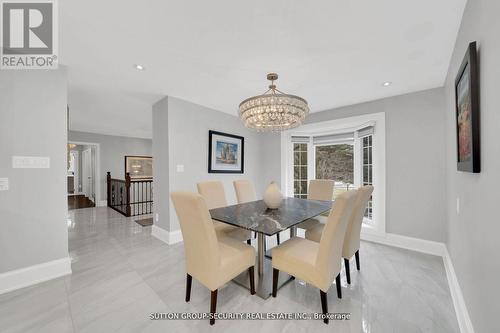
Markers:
point(257, 217)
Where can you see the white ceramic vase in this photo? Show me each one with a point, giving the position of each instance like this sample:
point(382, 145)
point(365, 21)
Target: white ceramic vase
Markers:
point(272, 196)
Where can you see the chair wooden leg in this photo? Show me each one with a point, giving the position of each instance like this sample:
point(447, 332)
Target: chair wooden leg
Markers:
point(339, 287)
point(324, 305)
point(213, 305)
point(347, 270)
point(357, 259)
point(249, 242)
point(189, 280)
point(252, 280)
point(276, 274)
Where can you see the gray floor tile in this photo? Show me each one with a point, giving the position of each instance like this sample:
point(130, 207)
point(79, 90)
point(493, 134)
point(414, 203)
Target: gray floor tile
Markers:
point(121, 274)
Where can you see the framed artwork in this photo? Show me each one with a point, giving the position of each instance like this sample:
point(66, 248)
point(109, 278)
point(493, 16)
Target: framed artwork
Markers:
point(226, 153)
point(139, 167)
point(467, 112)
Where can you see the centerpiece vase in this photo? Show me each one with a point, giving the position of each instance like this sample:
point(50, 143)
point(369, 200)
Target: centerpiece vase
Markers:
point(272, 196)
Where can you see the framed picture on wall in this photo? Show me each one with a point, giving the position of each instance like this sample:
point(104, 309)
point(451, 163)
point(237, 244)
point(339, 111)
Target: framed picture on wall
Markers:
point(139, 167)
point(467, 112)
point(226, 153)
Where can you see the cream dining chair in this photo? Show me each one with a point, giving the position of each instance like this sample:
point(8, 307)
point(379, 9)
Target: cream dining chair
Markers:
point(211, 260)
point(317, 263)
point(352, 236)
point(215, 197)
point(319, 189)
point(245, 192)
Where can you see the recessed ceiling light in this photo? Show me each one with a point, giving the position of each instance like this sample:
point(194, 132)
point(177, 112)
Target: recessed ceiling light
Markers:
point(139, 67)
point(386, 84)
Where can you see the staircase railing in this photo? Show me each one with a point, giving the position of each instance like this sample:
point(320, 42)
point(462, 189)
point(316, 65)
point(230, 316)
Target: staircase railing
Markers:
point(130, 197)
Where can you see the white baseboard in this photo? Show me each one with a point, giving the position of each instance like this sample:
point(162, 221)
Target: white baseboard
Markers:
point(438, 249)
point(463, 318)
point(35, 274)
point(409, 243)
point(102, 203)
point(169, 237)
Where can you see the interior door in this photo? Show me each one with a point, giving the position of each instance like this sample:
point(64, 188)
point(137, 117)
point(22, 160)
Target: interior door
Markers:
point(87, 172)
point(76, 173)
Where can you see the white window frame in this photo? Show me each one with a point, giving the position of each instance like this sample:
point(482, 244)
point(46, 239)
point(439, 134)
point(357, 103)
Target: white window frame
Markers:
point(308, 165)
point(378, 223)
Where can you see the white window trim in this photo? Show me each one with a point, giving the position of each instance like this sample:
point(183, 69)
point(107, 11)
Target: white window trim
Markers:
point(339, 126)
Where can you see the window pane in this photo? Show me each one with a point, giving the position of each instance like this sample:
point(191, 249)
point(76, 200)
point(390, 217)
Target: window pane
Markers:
point(296, 158)
point(303, 172)
point(303, 187)
point(303, 158)
point(300, 169)
point(368, 171)
point(296, 187)
point(335, 162)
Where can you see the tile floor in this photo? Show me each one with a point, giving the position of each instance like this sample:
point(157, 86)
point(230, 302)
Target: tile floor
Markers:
point(121, 274)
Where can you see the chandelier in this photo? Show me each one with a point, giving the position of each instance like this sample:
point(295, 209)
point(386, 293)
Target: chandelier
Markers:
point(273, 110)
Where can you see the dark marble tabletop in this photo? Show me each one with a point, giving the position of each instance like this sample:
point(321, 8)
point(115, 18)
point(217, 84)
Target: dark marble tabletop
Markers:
point(256, 216)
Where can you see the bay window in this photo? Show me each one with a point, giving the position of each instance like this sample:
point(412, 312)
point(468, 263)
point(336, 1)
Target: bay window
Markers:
point(349, 151)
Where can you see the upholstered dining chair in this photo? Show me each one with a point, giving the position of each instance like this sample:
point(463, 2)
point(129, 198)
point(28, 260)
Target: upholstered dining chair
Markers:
point(211, 260)
point(352, 236)
point(245, 192)
point(317, 263)
point(319, 189)
point(215, 197)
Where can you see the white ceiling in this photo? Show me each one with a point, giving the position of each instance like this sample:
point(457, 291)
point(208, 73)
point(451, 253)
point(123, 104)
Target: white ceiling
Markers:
point(217, 53)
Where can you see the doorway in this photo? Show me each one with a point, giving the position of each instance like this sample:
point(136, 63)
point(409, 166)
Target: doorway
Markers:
point(83, 182)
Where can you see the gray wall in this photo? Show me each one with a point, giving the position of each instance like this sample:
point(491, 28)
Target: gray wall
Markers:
point(474, 233)
point(33, 211)
point(188, 126)
point(161, 188)
point(415, 177)
point(112, 154)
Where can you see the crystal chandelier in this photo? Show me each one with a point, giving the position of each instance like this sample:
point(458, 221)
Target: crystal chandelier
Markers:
point(273, 110)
